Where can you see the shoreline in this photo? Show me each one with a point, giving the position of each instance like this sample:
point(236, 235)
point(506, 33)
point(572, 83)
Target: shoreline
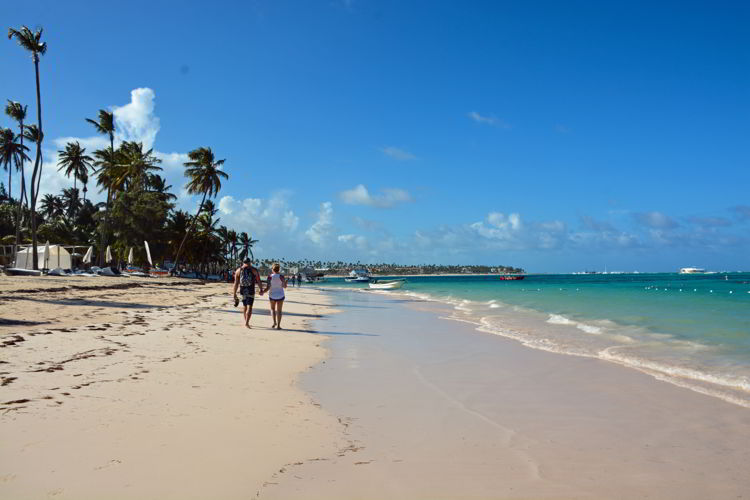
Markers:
point(556, 333)
point(438, 409)
point(154, 391)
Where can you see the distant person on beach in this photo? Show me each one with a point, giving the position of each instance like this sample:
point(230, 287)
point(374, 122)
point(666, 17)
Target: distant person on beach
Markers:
point(299, 279)
point(275, 286)
point(294, 278)
point(245, 278)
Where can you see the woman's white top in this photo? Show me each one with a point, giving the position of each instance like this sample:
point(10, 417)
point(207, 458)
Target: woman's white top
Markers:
point(277, 287)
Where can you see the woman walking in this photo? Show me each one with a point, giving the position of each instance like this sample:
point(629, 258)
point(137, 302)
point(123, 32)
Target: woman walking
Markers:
point(276, 284)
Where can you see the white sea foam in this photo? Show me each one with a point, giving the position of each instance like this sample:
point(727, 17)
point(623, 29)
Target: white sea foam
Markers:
point(595, 330)
point(709, 381)
point(558, 319)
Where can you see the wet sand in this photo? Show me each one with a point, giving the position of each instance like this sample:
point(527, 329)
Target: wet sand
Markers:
point(114, 389)
point(111, 389)
point(438, 410)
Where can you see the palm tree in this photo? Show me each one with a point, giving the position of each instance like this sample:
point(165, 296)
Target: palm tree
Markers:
point(32, 42)
point(12, 153)
point(105, 125)
point(74, 161)
point(204, 174)
point(246, 243)
point(51, 207)
point(233, 246)
point(136, 164)
point(71, 201)
point(18, 113)
point(223, 234)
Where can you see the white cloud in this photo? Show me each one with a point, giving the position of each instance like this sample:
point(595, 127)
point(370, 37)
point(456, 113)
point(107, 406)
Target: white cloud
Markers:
point(487, 120)
point(259, 217)
point(397, 153)
point(389, 197)
point(319, 232)
point(352, 240)
point(90, 143)
point(136, 120)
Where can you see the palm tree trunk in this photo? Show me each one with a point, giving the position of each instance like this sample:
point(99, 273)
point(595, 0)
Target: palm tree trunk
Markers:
point(36, 176)
point(10, 171)
point(20, 200)
point(103, 237)
point(192, 225)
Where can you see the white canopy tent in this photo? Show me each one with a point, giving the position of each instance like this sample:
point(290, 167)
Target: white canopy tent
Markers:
point(52, 255)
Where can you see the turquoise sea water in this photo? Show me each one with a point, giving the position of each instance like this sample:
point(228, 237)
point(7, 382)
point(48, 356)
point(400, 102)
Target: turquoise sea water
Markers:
point(691, 330)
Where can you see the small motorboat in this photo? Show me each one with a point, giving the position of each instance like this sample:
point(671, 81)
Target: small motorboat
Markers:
point(512, 277)
point(387, 285)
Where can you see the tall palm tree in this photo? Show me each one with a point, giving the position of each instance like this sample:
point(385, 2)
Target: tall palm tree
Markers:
point(12, 152)
point(223, 234)
point(74, 160)
point(233, 246)
point(105, 125)
point(18, 112)
point(204, 174)
point(31, 41)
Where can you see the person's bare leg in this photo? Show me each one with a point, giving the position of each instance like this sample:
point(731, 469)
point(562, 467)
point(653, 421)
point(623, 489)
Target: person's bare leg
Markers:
point(273, 312)
point(248, 314)
point(279, 307)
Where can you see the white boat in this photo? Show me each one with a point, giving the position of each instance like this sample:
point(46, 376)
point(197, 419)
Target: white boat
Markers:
point(692, 270)
point(387, 285)
point(358, 276)
point(358, 279)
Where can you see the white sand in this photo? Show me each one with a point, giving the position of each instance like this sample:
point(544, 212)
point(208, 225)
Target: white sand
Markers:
point(122, 394)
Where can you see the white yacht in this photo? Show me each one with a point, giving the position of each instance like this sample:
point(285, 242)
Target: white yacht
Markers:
point(692, 270)
point(358, 276)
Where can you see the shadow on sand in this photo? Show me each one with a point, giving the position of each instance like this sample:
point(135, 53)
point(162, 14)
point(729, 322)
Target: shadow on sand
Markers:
point(91, 303)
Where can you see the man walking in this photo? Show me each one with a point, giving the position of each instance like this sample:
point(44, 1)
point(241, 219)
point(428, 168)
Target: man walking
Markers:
point(245, 278)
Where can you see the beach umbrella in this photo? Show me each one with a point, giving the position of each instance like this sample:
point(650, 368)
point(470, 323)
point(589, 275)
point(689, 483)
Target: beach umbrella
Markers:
point(46, 255)
point(89, 254)
point(108, 255)
point(130, 256)
point(148, 254)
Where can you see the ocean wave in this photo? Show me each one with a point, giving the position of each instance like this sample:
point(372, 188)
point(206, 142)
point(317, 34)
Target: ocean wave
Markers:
point(605, 341)
point(558, 319)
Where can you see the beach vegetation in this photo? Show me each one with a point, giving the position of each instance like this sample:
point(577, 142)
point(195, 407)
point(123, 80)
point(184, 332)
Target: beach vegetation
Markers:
point(17, 112)
point(204, 175)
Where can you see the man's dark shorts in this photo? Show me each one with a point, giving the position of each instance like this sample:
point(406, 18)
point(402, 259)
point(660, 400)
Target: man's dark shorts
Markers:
point(248, 295)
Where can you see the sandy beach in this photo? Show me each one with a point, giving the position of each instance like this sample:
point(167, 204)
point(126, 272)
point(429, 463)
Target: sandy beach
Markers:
point(154, 389)
point(119, 388)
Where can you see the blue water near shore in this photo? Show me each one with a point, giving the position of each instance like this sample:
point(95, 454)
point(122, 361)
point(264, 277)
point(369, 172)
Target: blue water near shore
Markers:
point(691, 330)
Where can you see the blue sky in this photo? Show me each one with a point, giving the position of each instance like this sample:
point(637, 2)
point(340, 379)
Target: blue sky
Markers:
point(555, 136)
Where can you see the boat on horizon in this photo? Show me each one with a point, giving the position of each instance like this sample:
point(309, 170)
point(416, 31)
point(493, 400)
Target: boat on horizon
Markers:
point(511, 277)
point(692, 270)
point(358, 276)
